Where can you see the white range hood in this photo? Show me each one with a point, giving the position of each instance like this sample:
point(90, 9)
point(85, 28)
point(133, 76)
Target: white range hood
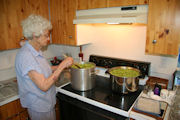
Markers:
point(113, 15)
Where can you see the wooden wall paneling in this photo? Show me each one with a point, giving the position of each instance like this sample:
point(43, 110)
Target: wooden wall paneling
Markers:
point(117, 3)
point(97, 4)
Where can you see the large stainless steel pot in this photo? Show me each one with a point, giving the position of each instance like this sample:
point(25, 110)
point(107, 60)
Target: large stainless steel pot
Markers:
point(124, 85)
point(83, 79)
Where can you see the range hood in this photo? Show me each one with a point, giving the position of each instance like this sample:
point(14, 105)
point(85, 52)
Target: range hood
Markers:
point(113, 15)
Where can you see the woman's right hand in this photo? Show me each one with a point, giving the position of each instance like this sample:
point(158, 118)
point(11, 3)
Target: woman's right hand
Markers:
point(67, 62)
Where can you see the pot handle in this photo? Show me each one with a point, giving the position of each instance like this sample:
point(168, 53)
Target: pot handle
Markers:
point(94, 72)
point(125, 86)
point(107, 71)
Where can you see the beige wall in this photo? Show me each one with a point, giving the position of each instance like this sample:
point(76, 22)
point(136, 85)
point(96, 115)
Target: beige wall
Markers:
point(124, 41)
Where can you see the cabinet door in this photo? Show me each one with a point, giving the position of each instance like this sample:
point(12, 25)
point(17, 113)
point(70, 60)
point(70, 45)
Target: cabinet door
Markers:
point(13, 111)
point(82, 4)
point(24, 115)
point(39, 7)
point(62, 14)
point(57, 110)
point(97, 4)
point(16, 117)
point(12, 12)
point(163, 27)
point(9, 110)
point(91, 4)
point(10, 26)
point(116, 3)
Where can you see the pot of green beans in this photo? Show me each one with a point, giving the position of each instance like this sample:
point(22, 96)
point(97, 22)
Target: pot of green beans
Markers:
point(83, 76)
point(124, 79)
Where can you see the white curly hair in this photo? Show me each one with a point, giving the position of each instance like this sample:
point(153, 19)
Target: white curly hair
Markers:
point(35, 24)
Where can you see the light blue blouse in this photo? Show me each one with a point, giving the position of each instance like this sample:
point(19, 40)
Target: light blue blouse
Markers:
point(31, 96)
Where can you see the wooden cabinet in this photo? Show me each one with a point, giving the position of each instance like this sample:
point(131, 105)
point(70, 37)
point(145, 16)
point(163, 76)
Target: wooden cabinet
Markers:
point(82, 4)
point(57, 110)
point(62, 15)
point(13, 111)
point(91, 4)
point(116, 3)
point(12, 12)
point(97, 4)
point(163, 27)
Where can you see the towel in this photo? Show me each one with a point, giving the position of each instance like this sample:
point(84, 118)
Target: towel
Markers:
point(148, 105)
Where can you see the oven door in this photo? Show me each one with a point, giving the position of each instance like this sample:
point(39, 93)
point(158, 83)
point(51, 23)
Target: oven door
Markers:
point(74, 109)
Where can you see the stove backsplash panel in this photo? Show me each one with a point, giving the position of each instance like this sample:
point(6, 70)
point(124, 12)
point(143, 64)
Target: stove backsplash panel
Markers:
point(109, 62)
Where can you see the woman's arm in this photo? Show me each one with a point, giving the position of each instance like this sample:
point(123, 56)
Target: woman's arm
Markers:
point(45, 83)
point(53, 68)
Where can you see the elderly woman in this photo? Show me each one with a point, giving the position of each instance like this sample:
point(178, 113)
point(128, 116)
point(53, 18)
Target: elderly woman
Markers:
point(34, 74)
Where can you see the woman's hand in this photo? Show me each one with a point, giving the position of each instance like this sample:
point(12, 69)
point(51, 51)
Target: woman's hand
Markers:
point(67, 62)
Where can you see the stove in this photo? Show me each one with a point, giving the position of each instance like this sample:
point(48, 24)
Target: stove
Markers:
point(100, 102)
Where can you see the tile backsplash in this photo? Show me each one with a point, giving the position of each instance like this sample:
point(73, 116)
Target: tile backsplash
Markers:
point(7, 58)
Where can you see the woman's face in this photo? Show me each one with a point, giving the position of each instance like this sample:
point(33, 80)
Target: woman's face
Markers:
point(44, 39)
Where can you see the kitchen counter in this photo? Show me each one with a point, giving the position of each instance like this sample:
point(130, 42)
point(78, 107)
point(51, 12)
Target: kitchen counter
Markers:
point(139, 116)
point(8, 91)
point(9, 88)
point(172, 111)
point(175, 109)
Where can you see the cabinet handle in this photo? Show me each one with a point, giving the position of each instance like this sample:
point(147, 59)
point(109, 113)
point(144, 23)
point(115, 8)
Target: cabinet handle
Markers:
point(154, 41)
point(70, 37)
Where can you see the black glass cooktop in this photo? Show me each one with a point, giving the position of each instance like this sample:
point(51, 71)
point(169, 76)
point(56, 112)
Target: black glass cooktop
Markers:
point(102, 93)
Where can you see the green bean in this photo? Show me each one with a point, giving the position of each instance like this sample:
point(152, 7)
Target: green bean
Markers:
point(83, 66)
point(124, 73)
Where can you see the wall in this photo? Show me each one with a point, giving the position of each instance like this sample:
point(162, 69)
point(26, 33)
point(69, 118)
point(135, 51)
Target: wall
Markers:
point(124, 41)
point(7, 58)
point(121, 41)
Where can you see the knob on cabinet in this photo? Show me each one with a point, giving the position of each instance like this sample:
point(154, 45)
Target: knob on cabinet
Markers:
point(154, 41)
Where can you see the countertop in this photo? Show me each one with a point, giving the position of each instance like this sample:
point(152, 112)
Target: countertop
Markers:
point(139, 116)
point(10, 93)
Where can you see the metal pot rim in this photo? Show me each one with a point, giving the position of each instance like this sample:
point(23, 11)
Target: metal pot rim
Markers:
point(124, 67)
point(85, 68)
